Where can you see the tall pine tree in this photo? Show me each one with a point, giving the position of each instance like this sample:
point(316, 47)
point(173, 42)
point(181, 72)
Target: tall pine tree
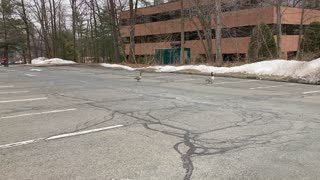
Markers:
point(12, 37)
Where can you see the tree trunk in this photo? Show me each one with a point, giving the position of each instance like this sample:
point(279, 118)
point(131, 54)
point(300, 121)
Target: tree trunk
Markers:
point(55, 35)
point(204, 15)
point(53, 40)
point(219, 59)
point(208, 37)
point(298, 56)
point(132, 55)
point(115, 34)
point(279, 28)
point(92, 43)
point(182, 58)
point(25, 20)
point(73, 7)
point(96, 40)
point(6, 45)
point(45, 28)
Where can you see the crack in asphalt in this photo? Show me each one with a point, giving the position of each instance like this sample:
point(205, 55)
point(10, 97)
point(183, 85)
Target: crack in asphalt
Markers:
point(191, 141)
point(186, 157)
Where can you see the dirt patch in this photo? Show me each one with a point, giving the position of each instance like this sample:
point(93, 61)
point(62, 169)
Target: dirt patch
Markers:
point(135, 65)
point(190, 71)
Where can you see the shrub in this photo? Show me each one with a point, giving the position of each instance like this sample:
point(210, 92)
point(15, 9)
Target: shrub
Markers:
point(262, 44)
point(310, 44)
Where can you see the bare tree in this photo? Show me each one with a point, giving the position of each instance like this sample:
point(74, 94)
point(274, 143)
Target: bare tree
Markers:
point(53, 20)
point(41, 15)
point(26, 22)
point(94, 14)
point(133, 14)
point(203, 12)
point(73, 4)
point(115, 32)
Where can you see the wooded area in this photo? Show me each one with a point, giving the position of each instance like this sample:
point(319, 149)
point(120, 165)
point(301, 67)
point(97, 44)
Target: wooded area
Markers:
point(79, 30)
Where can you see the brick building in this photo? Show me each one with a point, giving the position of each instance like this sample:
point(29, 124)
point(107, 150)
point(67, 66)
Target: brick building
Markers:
point(158, 25)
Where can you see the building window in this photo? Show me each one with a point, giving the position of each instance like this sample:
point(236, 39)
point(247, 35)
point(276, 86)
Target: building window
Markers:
point(234, 32)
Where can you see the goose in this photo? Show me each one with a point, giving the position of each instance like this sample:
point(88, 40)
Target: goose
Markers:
point(210, 80)
point(138, 78)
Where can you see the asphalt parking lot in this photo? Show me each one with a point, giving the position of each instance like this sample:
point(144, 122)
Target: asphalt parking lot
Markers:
point(85, 122)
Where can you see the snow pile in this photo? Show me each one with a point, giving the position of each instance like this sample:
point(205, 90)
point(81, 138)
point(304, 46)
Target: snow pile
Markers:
point(58, 61)
point(43, 60)
point(308, 71)
point(302, 70)
point(117, 66)
point(274, 67)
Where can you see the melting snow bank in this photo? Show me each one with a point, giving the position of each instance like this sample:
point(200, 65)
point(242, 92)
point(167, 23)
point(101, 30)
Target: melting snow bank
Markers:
point(117, 66)
point(300, 70)
point(308, 72)
point(45, 61)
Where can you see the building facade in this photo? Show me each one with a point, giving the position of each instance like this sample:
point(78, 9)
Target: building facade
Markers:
point(157, 26)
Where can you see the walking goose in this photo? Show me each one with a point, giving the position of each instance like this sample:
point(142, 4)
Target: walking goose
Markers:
point(138, 78)
point(210, 80)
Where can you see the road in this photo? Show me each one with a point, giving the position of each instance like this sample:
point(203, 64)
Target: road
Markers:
point(86, 122)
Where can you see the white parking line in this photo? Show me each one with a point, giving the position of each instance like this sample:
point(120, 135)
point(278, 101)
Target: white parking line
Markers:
point(82, 132)
point(311, 92)
point(5, 146)
point(247, 81)
point(266, 87)
point(40, 113)
point(19, 143)
point(22, 100)
point(6, 86)
point(14, 92)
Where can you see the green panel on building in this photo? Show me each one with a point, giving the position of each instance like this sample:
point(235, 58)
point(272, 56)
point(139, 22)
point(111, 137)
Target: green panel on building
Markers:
point(171, 56)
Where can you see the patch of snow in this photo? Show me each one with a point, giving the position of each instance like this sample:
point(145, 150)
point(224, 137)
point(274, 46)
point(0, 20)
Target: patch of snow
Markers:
point(117, 66)
point(309, 71)
point(43, 60)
